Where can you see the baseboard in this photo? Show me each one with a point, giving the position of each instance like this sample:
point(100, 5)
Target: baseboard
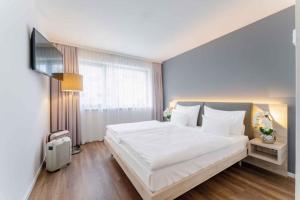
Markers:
point(30, 188)
point(290, 174)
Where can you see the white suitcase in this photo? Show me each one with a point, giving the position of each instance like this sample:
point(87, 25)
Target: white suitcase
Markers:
point(59, 134)
point(58, 153)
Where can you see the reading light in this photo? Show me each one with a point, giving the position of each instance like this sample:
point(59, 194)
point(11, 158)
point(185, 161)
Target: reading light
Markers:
point(173, 102)
point(70, 82)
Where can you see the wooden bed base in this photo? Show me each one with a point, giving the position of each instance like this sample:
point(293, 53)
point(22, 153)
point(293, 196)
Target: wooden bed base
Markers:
point(180, 187)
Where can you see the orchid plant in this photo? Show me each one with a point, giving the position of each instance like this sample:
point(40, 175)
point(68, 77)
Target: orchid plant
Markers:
point(168, 113)
point(263, 122)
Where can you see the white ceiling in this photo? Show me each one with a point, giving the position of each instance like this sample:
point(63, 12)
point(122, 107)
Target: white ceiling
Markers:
point(151, 29)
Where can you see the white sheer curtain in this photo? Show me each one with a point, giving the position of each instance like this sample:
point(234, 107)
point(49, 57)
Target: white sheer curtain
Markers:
point(116, 90)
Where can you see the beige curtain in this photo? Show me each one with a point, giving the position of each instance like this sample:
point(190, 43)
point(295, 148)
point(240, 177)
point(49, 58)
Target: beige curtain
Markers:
point(65, 108)
point(157, 91)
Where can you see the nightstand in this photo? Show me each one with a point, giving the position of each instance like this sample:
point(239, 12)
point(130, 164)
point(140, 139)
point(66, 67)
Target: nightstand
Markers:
point(273, 153)
point(271, 157)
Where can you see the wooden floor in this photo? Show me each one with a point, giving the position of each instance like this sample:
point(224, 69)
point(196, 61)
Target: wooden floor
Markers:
point(94, 174)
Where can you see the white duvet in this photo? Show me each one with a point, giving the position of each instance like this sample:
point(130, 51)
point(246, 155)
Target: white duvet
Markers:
point(164, 146)
point(130, 128)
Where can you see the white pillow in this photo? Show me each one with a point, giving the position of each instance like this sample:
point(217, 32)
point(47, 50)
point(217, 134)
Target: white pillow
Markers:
point(215, 126)
point(191, 111)
point(179, 118)
point(235, 118)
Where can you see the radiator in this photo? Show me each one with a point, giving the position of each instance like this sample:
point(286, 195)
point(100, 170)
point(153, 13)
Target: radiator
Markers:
point(58, 153)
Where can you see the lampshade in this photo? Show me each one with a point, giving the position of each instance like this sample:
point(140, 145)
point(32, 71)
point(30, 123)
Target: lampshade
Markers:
point(70, 82)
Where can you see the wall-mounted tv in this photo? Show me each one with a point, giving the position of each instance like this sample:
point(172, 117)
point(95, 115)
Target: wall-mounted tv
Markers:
point(45, 57)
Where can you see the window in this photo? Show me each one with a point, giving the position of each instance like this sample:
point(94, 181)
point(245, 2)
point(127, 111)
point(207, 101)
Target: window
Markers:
point(109, 85)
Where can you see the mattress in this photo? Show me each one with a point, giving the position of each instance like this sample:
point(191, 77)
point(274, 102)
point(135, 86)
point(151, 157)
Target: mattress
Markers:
point(160, 178)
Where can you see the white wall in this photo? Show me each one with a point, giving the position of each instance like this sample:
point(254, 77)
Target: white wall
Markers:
point(24, 102)
point(297, 99)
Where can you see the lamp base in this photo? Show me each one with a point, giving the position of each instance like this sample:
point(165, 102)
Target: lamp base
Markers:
point(76, 149)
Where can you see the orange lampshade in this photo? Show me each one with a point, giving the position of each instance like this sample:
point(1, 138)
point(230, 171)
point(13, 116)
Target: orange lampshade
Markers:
point(70, 82)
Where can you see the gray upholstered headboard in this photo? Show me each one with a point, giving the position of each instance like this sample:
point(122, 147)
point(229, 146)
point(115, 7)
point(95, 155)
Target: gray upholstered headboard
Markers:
point(228, 107)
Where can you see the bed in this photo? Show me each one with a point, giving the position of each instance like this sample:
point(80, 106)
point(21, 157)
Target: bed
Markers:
point(160, 178)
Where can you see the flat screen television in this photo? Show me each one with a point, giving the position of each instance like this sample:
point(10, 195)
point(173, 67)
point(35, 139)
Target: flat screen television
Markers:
point(45, 57)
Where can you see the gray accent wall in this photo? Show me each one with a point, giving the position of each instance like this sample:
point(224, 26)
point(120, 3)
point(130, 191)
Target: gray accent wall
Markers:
point(257, 61)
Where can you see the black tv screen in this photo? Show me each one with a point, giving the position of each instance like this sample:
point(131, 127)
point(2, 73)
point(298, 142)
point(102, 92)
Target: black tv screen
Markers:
point(45, 57)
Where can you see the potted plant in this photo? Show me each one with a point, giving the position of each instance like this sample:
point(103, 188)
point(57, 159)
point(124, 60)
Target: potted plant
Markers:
point(263, 122)
point(167, 114)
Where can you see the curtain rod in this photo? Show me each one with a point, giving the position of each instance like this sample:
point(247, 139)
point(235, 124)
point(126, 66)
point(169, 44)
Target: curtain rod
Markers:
point(105, 51)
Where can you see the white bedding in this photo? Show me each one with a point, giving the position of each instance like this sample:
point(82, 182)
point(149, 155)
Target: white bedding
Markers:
point(170, 145)
point(159, 178)
point(131, 128)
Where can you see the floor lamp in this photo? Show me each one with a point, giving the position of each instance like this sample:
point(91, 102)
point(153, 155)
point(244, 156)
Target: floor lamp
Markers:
point(71, 83)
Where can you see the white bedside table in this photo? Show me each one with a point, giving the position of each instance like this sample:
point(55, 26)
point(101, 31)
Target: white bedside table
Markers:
point(273, 153)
